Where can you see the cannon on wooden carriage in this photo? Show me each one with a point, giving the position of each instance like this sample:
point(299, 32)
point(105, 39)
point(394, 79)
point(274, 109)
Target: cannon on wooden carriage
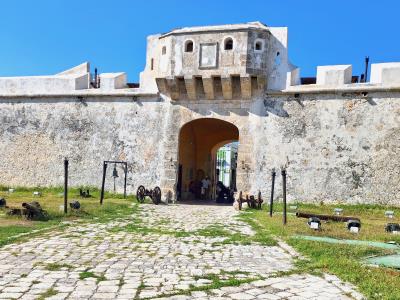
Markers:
point(84, 194)
point(154, 194)
point(251, 201)
point(32, 211)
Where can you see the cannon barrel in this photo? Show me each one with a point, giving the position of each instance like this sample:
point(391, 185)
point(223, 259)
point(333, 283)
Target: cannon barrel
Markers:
point(34, 211)
point(326, 217)
point(35, 206)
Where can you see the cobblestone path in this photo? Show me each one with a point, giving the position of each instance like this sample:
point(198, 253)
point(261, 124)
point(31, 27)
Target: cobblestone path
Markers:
point(156, 253)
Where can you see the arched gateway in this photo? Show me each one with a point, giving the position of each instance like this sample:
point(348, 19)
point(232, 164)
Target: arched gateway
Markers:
point(199, 141)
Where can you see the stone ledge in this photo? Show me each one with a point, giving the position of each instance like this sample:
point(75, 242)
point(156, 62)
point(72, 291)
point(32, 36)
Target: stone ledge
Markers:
point(350, 88)
point(85, 93)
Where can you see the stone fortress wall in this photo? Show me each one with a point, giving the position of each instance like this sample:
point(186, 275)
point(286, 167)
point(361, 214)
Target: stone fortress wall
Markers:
point(340, 141)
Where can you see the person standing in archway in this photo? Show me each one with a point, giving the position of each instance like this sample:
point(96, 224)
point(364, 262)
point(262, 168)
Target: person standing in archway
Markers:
point(205, 188)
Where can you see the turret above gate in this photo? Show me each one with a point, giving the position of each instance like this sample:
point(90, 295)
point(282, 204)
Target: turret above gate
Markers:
point(217, 62)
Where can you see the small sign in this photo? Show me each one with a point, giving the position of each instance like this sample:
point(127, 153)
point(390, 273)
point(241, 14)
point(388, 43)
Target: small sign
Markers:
point(208, 56)
point(11, 190)
point(354, 229)
point(314, 225)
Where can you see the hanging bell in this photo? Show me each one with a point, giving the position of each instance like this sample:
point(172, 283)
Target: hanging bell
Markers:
point(115, 172)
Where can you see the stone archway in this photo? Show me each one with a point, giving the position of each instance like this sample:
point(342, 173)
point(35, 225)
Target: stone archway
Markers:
point(176, 119)
point(198, 140)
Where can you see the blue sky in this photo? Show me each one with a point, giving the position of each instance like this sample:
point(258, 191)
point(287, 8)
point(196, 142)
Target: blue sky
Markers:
point(41, 37)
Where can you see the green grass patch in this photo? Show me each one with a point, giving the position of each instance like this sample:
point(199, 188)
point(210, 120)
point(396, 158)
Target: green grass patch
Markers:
point(218, 281)
point(345, 261)
point(50, 292)
point(114, 206)
point(87, 274)
point(237, 238)
point(212, 231)
point(57, 267)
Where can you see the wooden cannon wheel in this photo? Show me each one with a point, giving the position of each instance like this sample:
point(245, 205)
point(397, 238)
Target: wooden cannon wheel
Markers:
point(259, 199)
point(251, 201)
point(156, 195)
point(141, 194)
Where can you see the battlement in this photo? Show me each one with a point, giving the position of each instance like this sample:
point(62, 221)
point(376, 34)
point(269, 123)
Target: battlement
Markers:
point(239, 61)
point(76, 81)
point(339, 77)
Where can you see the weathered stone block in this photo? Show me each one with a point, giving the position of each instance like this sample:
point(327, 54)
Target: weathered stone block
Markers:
point(385, 73)
point(334, 75)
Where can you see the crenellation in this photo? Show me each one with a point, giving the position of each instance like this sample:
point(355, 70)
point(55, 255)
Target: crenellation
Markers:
point(385, 73)
point(334, 75)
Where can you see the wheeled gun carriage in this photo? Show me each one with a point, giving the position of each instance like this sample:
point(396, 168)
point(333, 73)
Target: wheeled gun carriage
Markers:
point(32, 211)
point(251, 201)
point(154, 194)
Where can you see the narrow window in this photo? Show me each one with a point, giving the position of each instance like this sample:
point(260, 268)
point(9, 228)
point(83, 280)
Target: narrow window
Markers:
point(228, 45)
point(164, 50)
point(189, 46)
point(152, 64)
point(258, 46)
point(277, 60)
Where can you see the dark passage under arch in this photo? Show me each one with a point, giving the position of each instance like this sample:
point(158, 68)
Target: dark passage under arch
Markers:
point(199, 141)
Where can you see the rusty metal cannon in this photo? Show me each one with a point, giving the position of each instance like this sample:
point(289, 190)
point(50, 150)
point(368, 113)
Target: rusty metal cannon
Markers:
point(251, 201)
point(31, 210)
point(34, 211)
point(154, 194)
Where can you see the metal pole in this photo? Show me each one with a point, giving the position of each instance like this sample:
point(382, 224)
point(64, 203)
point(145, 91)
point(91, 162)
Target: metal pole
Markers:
point(126, 173)
point(95, 78)
point(65, 185)
point(271, 201)
point(366, 68)
point(284, 195)
point(103, 183)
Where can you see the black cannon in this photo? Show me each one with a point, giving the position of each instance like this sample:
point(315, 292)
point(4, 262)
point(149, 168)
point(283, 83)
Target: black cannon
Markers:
point(224, 194)
point(251, 201)
point(392, 227)
point(33, 211)
point(84, 194)
point(154, 194)
point(75, 205)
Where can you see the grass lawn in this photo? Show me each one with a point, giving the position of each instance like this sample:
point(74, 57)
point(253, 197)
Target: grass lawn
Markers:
point(345, 261)
point(51, 200)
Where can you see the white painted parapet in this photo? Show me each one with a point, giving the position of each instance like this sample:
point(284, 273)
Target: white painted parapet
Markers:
point(81, 69)
point(112, 81)
point(77, 78)
point(43, 84)
point(385, 73)
point(334, 75)
point(293, 77)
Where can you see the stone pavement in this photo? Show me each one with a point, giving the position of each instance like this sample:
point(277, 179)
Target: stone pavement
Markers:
point(109, 261)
